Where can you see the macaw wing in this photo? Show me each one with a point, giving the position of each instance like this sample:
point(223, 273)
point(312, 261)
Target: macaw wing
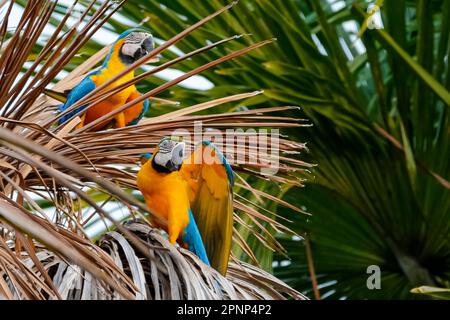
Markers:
point(210, 179)
point(145, 106)
point(82, 89)
point(194, 239)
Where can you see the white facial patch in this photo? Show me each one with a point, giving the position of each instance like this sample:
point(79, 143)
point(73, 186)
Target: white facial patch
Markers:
point(163, 158)
point(170, 152)
point(133, 42)
point(129, 49)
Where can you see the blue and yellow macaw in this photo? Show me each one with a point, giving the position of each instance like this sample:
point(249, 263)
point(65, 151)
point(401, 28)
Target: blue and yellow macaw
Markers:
point(194, 196)
point(131, 45)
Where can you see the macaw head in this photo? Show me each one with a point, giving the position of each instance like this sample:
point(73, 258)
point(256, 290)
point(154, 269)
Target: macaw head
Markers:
point(136, 44)
point(169, 155)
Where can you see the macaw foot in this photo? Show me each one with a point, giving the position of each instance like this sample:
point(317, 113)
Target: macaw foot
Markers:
point(183, 244)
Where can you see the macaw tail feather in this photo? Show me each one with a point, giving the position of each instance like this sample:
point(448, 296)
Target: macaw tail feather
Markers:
point(61, 108)
point(194, 240)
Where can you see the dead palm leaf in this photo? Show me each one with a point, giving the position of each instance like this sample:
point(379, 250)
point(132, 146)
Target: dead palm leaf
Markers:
point(81, 172)
point(173, 273)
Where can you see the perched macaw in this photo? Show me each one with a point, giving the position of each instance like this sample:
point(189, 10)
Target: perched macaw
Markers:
point(131, 45)
point(194, 196)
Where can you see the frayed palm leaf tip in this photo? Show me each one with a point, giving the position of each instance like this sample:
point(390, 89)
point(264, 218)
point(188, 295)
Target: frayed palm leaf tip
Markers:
point(59, 182)
point(185, 274)
point(166, 273)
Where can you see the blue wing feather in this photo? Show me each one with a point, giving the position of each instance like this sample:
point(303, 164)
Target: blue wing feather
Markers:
point(194, 240)
point(82, 89)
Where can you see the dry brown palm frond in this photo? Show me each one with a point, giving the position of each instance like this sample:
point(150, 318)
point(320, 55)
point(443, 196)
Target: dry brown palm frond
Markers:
point(81, 173)
point(174, 273)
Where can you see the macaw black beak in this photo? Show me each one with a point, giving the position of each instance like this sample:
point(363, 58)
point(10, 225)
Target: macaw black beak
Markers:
point(172, 167)
point(140, 52)
point(177, 158)
point(145, 48)
point(148, 46)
